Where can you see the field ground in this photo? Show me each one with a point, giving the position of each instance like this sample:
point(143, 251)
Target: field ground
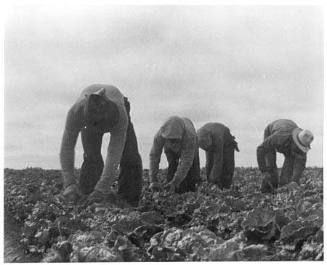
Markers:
point(210, 224)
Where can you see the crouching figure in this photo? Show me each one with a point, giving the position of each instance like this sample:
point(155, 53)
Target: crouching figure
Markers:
point(283, 136)
point(177, 136)
point(101, 109)
point(219, 145)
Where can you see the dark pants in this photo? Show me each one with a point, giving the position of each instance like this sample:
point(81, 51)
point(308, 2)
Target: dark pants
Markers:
point(270, 181)
point(193, 175)
point(93, 163)
point(225, 177)
point(130, 176)
point(287, 171)
point(273, 180)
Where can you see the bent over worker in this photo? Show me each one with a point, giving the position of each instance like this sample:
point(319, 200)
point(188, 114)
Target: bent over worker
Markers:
point(177, 136)
point(101, 109)
point(283, 136)
point(219, 145)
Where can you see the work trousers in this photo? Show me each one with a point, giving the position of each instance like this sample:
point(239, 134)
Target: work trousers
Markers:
point(130, 175)
point(224, 178)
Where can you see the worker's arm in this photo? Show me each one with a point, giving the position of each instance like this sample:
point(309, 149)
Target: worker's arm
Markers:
point(299, 166)
point(114, 154)
point(155, 155)
point(67, 151)
point(266, 153)
point(186, 160)
point(217, 161)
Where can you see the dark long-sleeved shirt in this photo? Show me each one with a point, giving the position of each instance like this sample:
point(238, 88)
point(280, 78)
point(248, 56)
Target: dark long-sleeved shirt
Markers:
point(174, 127)
point(76, 121)
point(278, 137)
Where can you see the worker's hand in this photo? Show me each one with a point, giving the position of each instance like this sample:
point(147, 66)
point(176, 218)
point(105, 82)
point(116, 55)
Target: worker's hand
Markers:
point(294, 185)
point(71, 193)
point(171, 187)
point(100, 197)
point(155, 186)
point(267, 185)
point(95, 197)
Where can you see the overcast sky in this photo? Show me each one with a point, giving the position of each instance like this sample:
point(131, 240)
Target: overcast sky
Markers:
point(243, 66)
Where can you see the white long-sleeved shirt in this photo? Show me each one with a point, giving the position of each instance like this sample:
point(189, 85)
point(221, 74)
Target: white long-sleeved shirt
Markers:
point(76, 121)
point(175, 127)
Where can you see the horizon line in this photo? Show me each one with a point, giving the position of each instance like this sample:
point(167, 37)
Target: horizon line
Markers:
point(6, 168)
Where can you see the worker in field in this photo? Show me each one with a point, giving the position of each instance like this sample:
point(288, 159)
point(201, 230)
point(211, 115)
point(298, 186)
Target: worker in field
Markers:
point(177, 137)
point(283, 136)
point(101, 109)
point(219, 145)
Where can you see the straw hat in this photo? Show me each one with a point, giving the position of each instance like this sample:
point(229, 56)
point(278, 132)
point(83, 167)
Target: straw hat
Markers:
point(303, 139)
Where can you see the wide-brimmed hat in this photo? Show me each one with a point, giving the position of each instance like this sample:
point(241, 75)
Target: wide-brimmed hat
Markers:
point(302, 138)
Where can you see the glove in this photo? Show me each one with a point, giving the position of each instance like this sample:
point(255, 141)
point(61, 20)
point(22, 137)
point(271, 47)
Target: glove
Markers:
point(155, 186)
point(71, 193)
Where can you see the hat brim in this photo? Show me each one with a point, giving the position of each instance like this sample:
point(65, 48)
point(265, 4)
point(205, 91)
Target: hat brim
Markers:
point(295, 133)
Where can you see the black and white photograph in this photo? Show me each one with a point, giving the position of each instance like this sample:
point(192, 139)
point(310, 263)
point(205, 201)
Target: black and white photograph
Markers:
point(163, 132)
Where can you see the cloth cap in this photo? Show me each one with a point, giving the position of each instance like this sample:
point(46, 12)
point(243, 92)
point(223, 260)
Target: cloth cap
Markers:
point(173, 129)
